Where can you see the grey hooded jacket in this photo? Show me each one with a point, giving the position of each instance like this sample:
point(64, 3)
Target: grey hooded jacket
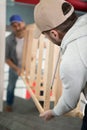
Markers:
point(73, 68)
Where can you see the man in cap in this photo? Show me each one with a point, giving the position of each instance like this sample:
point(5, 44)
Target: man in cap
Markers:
point(14, 49)
point(56, 19)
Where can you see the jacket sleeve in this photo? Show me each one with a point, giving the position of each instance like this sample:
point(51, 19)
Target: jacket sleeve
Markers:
point(72, 74)
point(7, 50)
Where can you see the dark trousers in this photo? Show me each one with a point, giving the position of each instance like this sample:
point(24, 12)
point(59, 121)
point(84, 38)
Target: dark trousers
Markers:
point(84, 124)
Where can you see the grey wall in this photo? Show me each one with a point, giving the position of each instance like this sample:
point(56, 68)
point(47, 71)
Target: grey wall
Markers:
point(26, 11)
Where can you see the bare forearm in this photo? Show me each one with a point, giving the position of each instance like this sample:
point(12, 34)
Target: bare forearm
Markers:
point(12, 65)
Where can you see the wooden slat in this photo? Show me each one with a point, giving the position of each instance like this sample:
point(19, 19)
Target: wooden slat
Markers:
point(48, 75)
point(29, 49)
point(39, 107)
point(33, 61)
point(39, 66)
point(24, 51)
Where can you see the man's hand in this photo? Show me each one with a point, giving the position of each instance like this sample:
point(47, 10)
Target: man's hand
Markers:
point(18, 71)
point(47, 115)
point(14, 67)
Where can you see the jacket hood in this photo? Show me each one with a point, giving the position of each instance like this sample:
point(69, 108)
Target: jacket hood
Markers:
point(78, 30)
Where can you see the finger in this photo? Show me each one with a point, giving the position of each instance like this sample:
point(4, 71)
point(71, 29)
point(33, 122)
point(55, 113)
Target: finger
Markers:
point(41, 115)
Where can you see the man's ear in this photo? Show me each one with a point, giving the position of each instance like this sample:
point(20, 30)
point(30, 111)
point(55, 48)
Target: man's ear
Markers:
point(54, 34)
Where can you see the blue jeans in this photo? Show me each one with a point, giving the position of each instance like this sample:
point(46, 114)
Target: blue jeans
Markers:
point(11, 86)
point(84, 124)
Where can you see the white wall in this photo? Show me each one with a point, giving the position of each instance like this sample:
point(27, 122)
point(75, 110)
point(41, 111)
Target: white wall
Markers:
point(2, 48)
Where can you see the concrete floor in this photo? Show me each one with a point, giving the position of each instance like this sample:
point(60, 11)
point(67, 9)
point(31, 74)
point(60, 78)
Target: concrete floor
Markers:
point(25, 116)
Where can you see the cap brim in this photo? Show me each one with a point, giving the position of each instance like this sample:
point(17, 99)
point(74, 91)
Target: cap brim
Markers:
point(37, 32)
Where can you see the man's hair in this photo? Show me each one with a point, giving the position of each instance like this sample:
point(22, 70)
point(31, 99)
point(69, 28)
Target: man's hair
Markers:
point(65, 26)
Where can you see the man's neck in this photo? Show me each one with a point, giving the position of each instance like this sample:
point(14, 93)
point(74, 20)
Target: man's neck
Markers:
point(20, 35)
